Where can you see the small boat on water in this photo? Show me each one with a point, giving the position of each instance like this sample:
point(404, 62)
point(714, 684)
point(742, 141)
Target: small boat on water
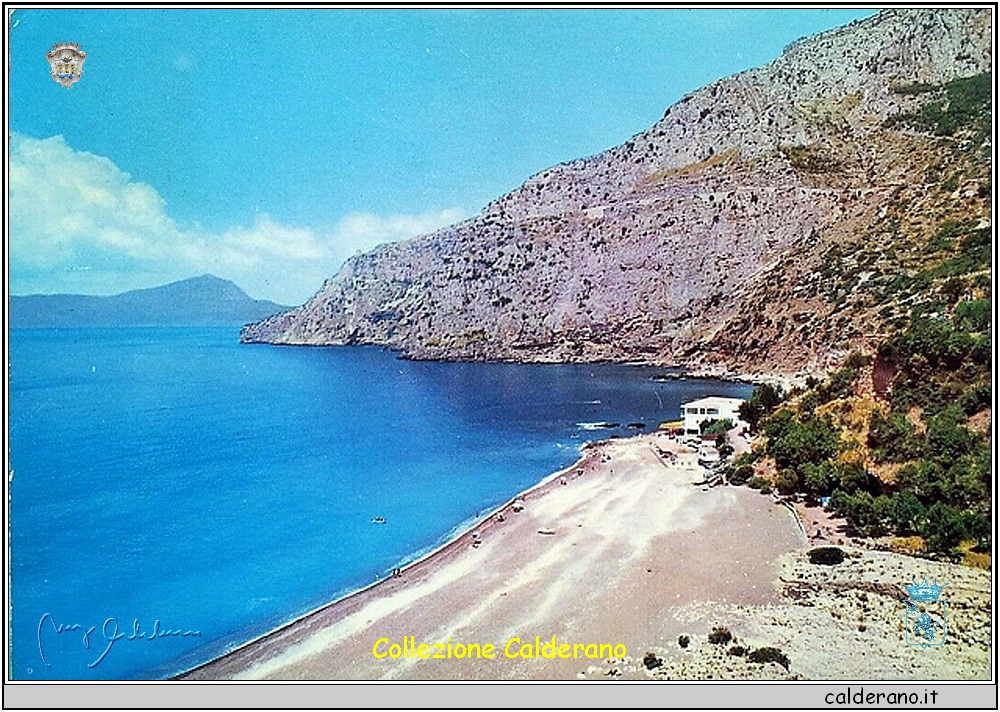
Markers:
point(600, 425)
point(378, 520)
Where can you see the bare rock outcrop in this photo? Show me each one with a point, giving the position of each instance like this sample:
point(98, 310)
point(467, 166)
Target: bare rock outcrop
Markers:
point(668, 247)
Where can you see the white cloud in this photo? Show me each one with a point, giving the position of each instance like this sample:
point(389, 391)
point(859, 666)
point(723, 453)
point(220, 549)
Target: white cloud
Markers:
point(363, 231)
point(79, 223)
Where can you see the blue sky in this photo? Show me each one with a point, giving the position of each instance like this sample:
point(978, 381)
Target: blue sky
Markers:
point(266, 146)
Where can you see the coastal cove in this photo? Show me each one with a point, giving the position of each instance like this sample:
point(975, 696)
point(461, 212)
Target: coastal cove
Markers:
point(178, 481)
point(624, 567)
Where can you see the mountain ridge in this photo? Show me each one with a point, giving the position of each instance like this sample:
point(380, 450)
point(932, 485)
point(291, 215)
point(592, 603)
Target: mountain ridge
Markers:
point(652, 249)
point(204, 300)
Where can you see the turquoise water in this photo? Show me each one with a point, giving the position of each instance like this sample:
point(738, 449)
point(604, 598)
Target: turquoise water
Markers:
point(175, 475)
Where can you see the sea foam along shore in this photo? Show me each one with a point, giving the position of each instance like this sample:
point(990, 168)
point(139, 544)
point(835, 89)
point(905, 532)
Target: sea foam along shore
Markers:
point(595, 554)
point(624, 549)
point(466, 533)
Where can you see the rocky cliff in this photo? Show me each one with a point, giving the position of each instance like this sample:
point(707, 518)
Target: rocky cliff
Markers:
point(703, 240)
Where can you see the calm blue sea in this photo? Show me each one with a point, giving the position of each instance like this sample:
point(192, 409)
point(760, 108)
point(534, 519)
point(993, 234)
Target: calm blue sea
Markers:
point(175, 475)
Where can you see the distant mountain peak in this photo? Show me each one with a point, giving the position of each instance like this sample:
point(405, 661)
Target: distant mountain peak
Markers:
point(204, 300)
point(205, 286)
point(207, 279)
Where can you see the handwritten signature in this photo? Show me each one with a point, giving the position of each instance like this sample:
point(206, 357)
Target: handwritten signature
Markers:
point(111, 634)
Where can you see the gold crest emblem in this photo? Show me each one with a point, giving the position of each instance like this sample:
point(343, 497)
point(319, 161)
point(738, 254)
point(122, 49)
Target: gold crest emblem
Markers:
point(66, 60)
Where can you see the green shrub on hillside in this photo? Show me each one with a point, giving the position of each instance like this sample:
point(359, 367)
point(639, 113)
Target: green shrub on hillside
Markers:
point(937, 360)
point(976, 398)
point(892, 438)
point(793, 442)
point(718, 428)
point(974, 316)
point(811, 159)
point(817, 480)
point(740, 470)
point(769, 655)
point(908, 514)
point(962, 105)
point(826, 556)
point(720, 635)
point(839, 384)
point(760, 483)
point(947, 439)
point(914, 88)
point(946, 527)
point(762, 402)
point(788, 482)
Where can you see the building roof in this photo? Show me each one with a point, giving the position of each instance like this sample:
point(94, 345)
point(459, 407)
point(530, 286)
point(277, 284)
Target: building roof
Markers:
point(714, 402)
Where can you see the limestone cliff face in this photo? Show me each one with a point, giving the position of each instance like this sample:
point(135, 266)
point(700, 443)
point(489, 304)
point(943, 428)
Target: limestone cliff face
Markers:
point(661, 249)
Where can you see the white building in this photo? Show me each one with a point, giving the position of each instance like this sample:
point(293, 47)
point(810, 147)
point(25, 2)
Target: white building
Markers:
point(711, 408)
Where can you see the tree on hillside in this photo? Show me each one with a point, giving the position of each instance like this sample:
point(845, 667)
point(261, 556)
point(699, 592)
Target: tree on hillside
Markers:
point(762, 402)
point(719, 428)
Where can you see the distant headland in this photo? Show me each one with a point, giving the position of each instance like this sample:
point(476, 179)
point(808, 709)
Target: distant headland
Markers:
point(199, 301)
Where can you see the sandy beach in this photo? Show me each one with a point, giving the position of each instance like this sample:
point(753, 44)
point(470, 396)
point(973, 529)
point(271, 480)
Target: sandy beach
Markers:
point(626, 550)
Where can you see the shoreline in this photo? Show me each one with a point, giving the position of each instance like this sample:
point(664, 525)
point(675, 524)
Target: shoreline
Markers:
point(460, 535)
point(628, 547)
point(692, 371)
point(597, 458)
